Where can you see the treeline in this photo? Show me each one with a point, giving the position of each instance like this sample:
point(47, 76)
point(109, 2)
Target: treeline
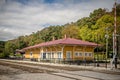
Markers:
point(2, 46)
point(92, 28)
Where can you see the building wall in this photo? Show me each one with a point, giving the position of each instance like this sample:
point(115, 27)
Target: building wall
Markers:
point(36, 53)
point(27, 53)
point(76, 52)
point(79, 52)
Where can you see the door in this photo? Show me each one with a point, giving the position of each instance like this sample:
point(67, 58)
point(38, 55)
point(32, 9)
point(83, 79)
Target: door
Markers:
point(44, 55)
point(68, 55)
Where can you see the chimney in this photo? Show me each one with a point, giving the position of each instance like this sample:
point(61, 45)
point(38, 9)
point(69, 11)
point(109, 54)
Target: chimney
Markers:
point(53, 38)
point(65, 36)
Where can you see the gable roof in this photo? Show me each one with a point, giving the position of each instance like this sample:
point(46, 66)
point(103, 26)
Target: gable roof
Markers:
point(65, 41)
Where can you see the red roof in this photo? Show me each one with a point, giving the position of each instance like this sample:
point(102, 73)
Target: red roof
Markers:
point(65, 41)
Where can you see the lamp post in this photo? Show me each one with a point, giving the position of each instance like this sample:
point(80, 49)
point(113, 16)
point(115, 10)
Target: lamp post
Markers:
point(106, 36)
point(97, 52)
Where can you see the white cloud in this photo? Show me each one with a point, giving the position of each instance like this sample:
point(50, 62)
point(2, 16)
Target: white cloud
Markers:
point(20, 19)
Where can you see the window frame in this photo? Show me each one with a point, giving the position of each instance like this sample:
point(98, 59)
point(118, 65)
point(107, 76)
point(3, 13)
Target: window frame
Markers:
point(44, 55)
point(31, 53)
point(88, 54)
point(80, 54)
point(70, 54)
point(76, 52)
point(48, 55)
point(59, 54)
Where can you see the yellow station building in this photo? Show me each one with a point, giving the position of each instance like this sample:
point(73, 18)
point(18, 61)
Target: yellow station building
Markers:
point(62, 49)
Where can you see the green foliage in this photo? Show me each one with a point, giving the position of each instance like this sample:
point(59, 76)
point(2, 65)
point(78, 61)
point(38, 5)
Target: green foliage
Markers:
point(97, 13)
point(117, 10)
point(11, 54)
point(91, 20)
point(18, 55)
point(85, 33)
point(82, 22)
point(2, 55)
point(2, 44)
point(48, 33)
point(71, 31)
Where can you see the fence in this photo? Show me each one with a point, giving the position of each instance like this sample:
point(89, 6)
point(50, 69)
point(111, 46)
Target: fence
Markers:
point(95, 63)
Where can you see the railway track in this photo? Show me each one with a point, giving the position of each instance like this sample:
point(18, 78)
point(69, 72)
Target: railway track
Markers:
point(52, 70)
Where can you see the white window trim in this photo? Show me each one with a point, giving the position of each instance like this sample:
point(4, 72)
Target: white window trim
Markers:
point(78, 54)
point(48, 55)
point(88, 54)
point(59, 56)
point(91, 54)
point(75, 53)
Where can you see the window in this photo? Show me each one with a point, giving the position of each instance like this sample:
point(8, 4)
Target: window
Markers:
point(80, 54)
point(86, 54)
point(90, 54)
point(30, 53)
point(59, 55)
point(76, 54)
point(44, 55)
point(49, 55)
point(68, 55)
point(52, 55)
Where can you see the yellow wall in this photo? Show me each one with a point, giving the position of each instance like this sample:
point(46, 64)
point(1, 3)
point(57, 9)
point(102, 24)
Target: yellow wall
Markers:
point(35, 53)
point(68, 48)
point(27, 53)
point(80, 49)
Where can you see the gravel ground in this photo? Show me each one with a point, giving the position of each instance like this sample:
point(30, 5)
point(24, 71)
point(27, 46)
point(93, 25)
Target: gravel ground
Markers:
point(29, 71)
point(8, 73)
point(15, 72)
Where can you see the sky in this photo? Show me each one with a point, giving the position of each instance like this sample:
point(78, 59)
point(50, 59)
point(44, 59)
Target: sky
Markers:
point(22, 17)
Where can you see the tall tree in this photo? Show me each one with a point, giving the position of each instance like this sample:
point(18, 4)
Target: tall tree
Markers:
point(71, 31)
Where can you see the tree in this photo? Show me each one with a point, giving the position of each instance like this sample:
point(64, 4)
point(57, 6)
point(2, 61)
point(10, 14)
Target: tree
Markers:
point(97, 13)
point(117, 10)
point(48, 33)
point(91, 20)
point(71, 31)
point(85, 33)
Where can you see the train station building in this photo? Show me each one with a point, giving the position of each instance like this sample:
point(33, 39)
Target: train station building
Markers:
point(65, 49)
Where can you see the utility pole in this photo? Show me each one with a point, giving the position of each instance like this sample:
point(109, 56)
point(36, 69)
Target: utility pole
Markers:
point(114, 40)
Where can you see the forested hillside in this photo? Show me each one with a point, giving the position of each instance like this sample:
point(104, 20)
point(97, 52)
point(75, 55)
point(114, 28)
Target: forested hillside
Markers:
point(92, 28)
point(2, 46)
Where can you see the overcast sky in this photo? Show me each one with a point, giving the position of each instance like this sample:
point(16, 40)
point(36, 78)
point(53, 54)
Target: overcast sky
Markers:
point(22, 17)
